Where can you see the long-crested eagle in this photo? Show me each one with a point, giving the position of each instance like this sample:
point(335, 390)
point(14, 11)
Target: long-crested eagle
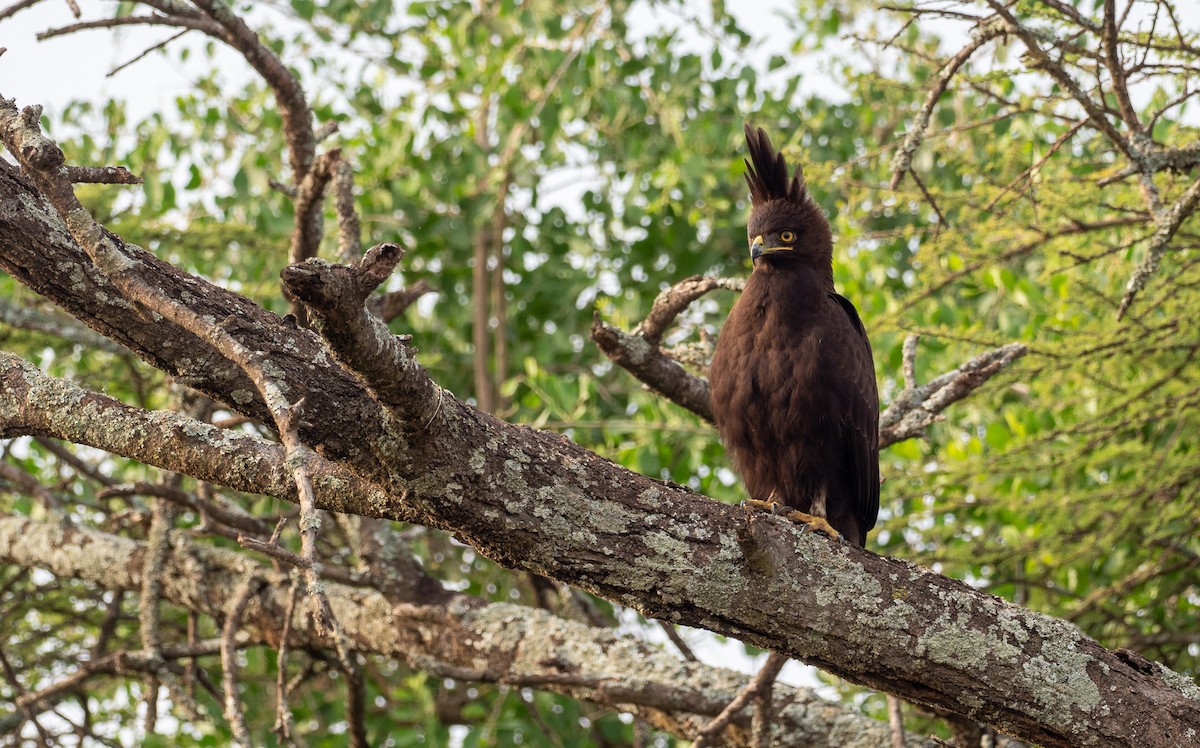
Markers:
point(793, 383)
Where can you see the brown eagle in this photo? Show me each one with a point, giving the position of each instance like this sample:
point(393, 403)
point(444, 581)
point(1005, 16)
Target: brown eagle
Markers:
point(793, 383)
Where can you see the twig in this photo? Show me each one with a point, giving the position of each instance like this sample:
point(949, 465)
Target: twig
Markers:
point(984, 32)
point(17, 7)
point(233, 621)
point(760, 684)
point(349, 231)
point(157, 544)
point(112, 614)
point(102, 175)
point(669, 629)
point(895, 721)
point(1116, 71)
point(1166, 225)
point(915, 408)
point(57, 324)
point(156, 19)
point(932, 203)
point(283, 713)
point(144, 53)
point(237, 520)
point(1059, 143)
point(65, 455)
point(673, 301)
point(30, 485)
point(909, 360)
point(296, 561)
point(392, 305)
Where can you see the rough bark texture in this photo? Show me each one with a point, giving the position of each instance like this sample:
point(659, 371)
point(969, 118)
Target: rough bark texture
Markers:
point(461, 636)
point(535, 501)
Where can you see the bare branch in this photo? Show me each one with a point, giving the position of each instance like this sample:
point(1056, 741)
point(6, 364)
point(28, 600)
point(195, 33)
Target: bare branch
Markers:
point(156, 19)
point(162, 518)
point(673, 301)
point(1116, 70)
point(527, 646)
point(102, 175)
point(283, 713)
point(915, 408)
point(232, 518)
point(392, 305)
point(145, 53)
point(30, 485)
point(907, 416)
point(293, 106)
point(31, 403)
point(55, 323)
point(349, 231)
point(983, 33)
point(1167, 223)
point(17, 7)
point(678, 641)
point(895, 721)
point(761, 683)
point(233, 622)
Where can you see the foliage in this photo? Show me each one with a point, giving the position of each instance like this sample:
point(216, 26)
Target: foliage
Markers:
point(609, 154)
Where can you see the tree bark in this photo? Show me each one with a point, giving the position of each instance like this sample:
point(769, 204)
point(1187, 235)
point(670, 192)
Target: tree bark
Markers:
point(537, 502)
point(455, 636)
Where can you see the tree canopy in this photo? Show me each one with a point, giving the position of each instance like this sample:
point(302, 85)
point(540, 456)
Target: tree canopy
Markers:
point(260, 484)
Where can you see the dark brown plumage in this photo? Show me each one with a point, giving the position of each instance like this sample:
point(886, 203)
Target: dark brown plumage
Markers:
point(793, 383)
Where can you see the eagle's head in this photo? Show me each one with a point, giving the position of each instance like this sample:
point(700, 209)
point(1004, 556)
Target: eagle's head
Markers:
point(787, 228)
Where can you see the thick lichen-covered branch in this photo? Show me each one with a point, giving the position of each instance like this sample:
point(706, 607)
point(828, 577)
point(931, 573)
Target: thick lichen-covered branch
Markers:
point(32, 403)
point(534, 501)
point(456, 636)
point(537, 502)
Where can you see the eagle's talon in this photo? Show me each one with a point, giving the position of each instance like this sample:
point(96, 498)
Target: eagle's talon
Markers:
point(766, 506)
point(818, 524)
point(806, 521)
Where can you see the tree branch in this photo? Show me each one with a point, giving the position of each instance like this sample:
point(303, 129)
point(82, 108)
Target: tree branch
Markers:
point(910, 412)
point(984, 32)
point(535, 502)
point(462, 637)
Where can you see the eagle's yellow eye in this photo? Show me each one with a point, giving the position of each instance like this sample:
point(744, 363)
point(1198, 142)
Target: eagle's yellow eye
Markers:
point(786, 236)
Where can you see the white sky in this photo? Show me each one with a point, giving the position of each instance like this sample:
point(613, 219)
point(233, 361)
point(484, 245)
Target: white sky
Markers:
point(75, 66)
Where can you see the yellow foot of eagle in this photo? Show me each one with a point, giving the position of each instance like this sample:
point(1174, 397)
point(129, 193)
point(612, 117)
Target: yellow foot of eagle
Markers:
point(809, 520)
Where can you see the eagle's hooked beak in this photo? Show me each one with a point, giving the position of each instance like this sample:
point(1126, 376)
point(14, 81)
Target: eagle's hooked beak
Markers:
point(758, 250)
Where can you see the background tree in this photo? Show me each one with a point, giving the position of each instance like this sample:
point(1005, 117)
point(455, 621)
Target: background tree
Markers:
point(1032, 189)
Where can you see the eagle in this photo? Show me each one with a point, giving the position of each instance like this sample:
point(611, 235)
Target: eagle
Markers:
point(792, 377)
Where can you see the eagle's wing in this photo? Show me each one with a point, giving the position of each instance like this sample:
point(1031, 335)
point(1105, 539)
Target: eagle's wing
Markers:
point(862, 425)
